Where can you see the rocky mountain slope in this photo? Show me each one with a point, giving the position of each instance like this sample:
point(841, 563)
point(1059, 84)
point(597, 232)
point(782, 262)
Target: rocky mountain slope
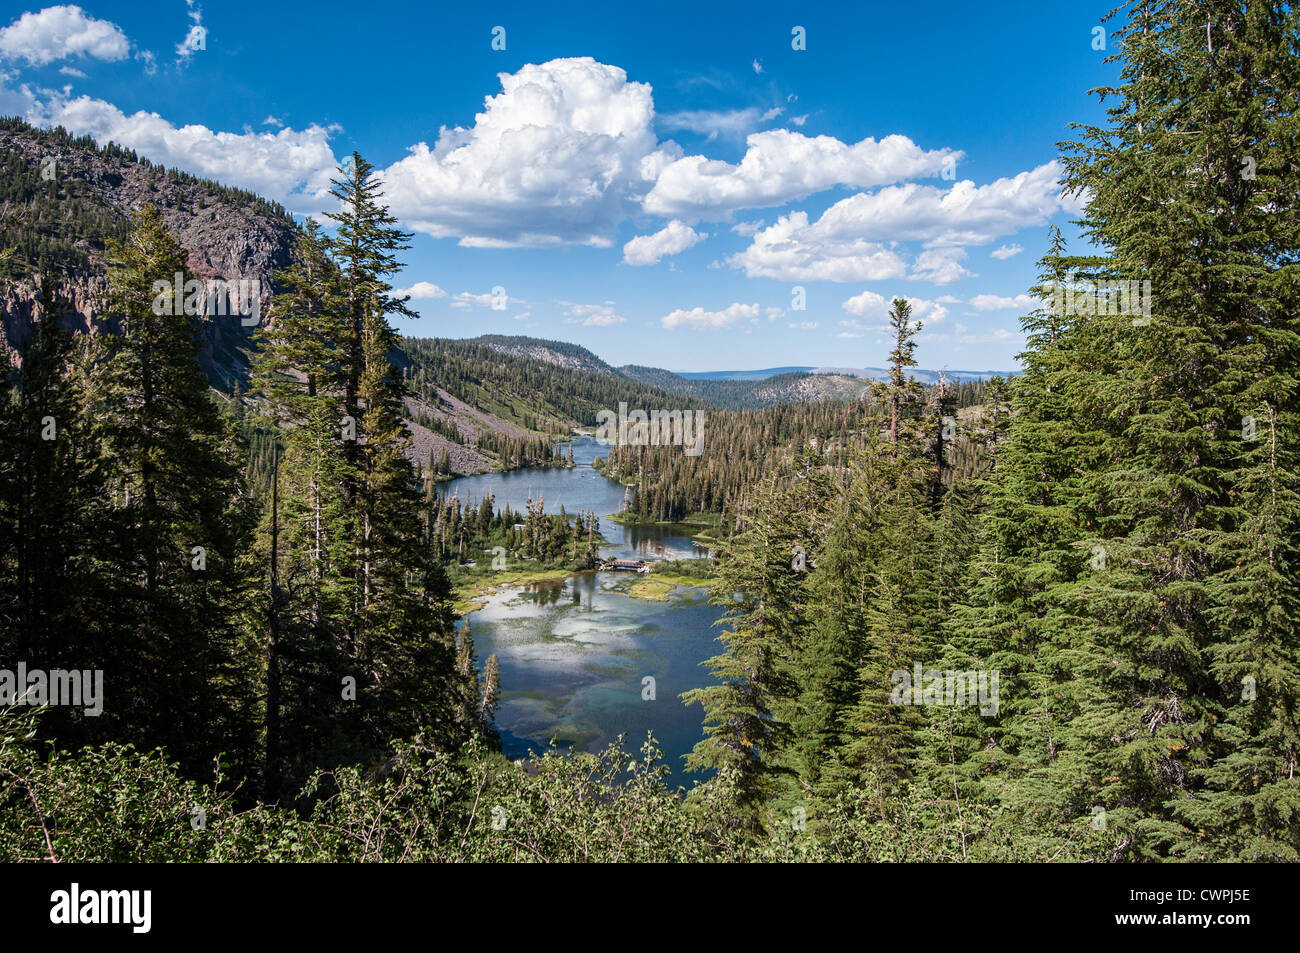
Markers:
point(574, 357)
point(734, 392)
point(62, 198)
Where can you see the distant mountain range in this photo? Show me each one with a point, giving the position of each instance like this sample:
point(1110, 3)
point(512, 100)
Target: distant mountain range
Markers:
point(872, 373)
point(733, 390)
point(741, 375)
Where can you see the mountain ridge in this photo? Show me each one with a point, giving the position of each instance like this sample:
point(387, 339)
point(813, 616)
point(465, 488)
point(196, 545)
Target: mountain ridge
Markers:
point(732, 390)
point(62, 198)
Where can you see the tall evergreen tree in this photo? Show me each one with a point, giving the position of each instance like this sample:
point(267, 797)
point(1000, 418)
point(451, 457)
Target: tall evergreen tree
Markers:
point(306, 540)
point(370, 623)
point(759, 589)
point(901, 389)
point(178, 513)
point(1126, 594)
point(53, 518)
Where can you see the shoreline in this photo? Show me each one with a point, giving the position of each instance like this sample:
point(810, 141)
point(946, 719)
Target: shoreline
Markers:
point(654, 586)
point(473, 593)
point(698, 526)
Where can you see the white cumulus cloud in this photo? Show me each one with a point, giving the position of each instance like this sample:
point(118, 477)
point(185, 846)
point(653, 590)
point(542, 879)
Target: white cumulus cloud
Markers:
point(497, 302)
point(941, 266)
point(712, 123)
point(560, 156)
point(62, 32)
point(965, 214)
point(871, 311)
point(673, 239)
point(780, 166)
point(289, 166)
point(593, 315)
point(421, 291)
point(987, 302)
point(793, 250)
point(847, 242)
point(700, 319)
point(1003, 252)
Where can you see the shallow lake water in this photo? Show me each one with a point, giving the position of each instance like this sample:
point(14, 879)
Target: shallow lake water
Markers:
point(578, 488)
point(575, 653)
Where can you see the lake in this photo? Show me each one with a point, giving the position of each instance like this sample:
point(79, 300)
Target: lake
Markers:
point(574, 654)
point(578, 488)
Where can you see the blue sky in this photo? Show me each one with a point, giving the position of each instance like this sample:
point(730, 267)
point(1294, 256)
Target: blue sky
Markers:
point(656, 184)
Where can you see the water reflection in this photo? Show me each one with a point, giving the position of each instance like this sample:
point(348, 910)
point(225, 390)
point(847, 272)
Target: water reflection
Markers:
point(573, 656)
point(579, 488)
point(573, 652)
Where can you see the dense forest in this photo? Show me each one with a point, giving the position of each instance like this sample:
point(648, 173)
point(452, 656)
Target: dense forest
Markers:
point(498, 362)
point(1054, 618)
point(548, 395)
point(957, 426)
point(461, 531)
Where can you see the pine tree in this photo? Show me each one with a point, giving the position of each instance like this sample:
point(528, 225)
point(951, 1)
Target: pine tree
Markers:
point(901, 389)
point(1207, 93)
point(1127, 596)
point(45, 399)
point(745, 732)
point(1032, 548)
point(491, 699)
point(52, 521)
point(178, 514)
point(470, 696)
point(306, 540)
point(372, 603)
point(896, 619)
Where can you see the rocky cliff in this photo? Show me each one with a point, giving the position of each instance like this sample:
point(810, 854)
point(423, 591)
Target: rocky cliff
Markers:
point(62, 198)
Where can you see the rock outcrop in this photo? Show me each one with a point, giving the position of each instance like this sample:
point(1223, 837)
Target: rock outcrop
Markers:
point(230, 235)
